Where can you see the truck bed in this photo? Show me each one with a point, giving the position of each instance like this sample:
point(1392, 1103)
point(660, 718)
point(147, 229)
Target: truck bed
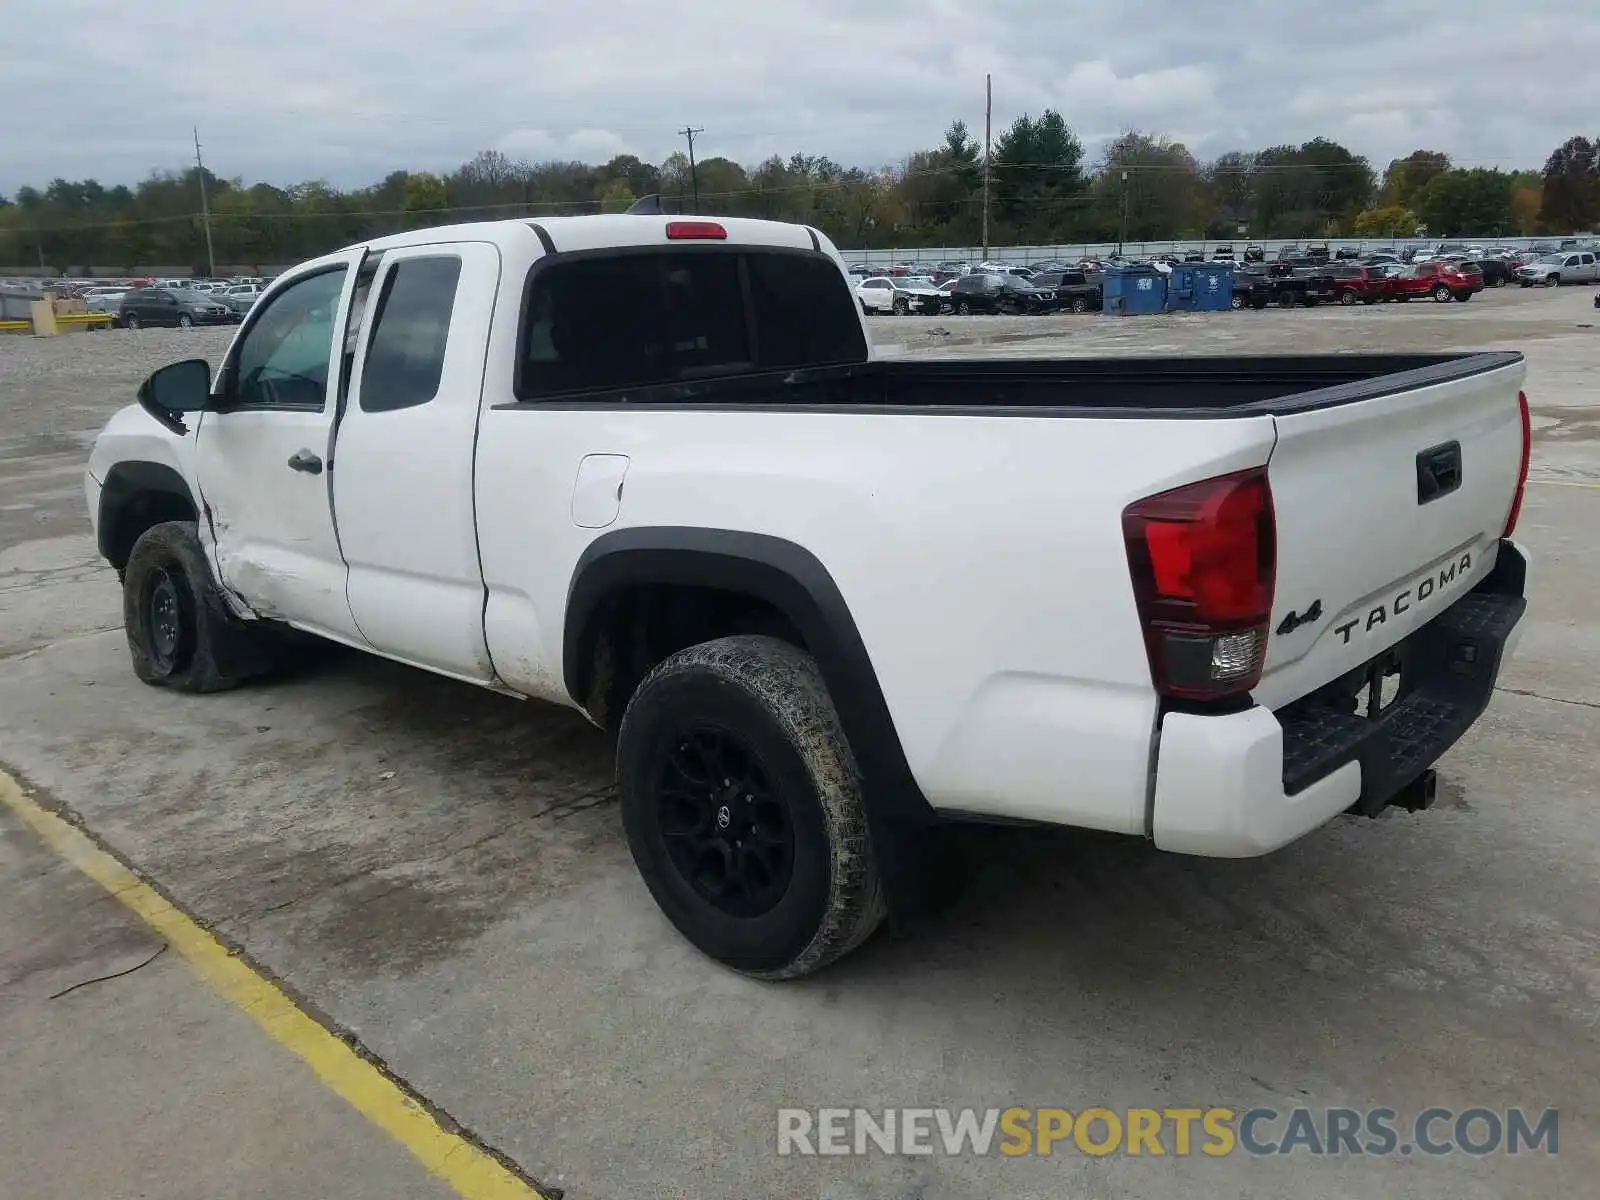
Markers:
point(1189, 387)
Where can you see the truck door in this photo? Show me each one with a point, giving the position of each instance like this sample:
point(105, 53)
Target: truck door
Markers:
point(402, 489)
point(262, 457)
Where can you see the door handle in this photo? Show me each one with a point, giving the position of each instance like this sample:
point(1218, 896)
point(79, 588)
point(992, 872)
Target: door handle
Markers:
point(1438, 472)
point(306, 461)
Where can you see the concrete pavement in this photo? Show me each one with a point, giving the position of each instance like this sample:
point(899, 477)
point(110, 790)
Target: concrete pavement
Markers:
point(441, 871)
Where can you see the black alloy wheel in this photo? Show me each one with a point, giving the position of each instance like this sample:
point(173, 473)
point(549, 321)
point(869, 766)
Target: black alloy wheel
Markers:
point(729, 833)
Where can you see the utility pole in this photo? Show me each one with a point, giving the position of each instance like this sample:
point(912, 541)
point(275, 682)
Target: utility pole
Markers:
point(988, 117)
point(694, 177)
point(1124, 236)
point(205, 207)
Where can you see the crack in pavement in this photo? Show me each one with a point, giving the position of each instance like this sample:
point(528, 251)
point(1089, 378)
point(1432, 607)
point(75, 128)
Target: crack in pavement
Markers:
point(30, 651)
point(1552, 699)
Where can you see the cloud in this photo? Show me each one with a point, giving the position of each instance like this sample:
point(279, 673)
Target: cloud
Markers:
point(303, 89)
point(582, 145)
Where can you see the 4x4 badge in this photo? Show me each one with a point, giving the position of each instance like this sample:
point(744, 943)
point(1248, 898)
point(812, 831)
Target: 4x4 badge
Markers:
point(1294, 620)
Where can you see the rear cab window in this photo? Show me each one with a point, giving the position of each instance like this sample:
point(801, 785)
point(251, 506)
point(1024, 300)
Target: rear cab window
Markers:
point(634, 319)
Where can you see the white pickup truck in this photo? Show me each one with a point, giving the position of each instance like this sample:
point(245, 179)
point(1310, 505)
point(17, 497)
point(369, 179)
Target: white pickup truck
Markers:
point(648, 467)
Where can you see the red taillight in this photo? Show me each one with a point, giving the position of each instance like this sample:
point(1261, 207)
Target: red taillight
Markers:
point(1204, 560)
point(1522, 472)
point(678, 231)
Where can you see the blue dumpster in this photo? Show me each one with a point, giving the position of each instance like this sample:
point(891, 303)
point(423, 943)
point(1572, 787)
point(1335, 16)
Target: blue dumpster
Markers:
point(1133, 291)
point(1200, 287)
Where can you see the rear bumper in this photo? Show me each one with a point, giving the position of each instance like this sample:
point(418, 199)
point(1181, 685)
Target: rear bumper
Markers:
point(1244, 784)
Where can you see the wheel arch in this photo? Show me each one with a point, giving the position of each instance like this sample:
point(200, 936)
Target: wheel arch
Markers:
point(779, 574)
point(135, 495)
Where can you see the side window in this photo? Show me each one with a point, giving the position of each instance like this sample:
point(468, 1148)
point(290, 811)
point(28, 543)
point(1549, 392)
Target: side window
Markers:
point(411, 327)
point(1572, 261)
point(282, 361)
point(1588, 260)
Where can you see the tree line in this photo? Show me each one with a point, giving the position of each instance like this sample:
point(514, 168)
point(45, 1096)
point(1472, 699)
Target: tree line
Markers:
point(1042, 190)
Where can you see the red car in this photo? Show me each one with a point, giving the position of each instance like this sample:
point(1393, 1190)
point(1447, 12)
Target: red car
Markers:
point(1358, 285)
point(1443, 281)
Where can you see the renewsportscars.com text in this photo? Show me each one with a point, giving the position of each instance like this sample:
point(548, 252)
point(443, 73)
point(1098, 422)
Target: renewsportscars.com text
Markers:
point(1180, 1132)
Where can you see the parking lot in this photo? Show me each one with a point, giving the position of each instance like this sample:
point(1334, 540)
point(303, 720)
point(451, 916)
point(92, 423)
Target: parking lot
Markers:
point(438, 873)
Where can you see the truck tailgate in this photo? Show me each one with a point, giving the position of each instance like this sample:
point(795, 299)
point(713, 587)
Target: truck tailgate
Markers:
point(1388, 508)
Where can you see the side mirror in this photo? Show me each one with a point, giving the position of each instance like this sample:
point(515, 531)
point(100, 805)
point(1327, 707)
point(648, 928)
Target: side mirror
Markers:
point(183, 387)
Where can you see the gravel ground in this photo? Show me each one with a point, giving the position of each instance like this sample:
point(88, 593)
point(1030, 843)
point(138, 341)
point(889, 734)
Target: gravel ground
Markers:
point(67, 385)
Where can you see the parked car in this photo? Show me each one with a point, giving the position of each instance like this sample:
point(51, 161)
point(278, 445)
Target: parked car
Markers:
point(1252, 288)
point(988, 293)
point(1496, 271)
point(177, 307)
point(1298, 286)
point(910, 293)
point(104, 299)
point(826, 616)
point(1254, 253)
point(1075, 291)
point(1563, 266)
point(241, 297)
point(1443, 281)
point(1352, 284)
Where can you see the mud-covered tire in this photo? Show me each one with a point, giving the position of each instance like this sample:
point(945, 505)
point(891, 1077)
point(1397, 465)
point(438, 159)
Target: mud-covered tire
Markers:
point(212, 650)
point(768, 697)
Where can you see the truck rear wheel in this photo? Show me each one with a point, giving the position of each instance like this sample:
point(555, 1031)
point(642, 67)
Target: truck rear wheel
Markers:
point(742, 805)
point(180, 632)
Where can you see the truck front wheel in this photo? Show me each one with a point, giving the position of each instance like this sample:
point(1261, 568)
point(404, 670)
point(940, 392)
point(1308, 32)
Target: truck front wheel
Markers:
point(180, 633)
point(742, 805)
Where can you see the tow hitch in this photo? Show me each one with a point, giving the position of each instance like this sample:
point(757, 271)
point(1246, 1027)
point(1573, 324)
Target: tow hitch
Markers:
point(1418, 795)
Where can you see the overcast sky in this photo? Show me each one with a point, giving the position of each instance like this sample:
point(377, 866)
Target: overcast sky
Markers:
point(303, 89)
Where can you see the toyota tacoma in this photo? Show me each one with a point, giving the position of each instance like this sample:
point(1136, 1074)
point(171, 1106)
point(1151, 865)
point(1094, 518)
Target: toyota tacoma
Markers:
point(648, 467)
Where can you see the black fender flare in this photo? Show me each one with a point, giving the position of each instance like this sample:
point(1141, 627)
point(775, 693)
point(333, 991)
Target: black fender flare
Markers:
point(792, 580)
point(122, 483)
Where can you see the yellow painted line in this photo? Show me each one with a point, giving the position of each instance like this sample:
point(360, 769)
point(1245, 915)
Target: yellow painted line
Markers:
point(470, 1171)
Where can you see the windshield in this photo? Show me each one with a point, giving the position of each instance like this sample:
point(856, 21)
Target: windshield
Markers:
point(1553, 259)
point(917, 281)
